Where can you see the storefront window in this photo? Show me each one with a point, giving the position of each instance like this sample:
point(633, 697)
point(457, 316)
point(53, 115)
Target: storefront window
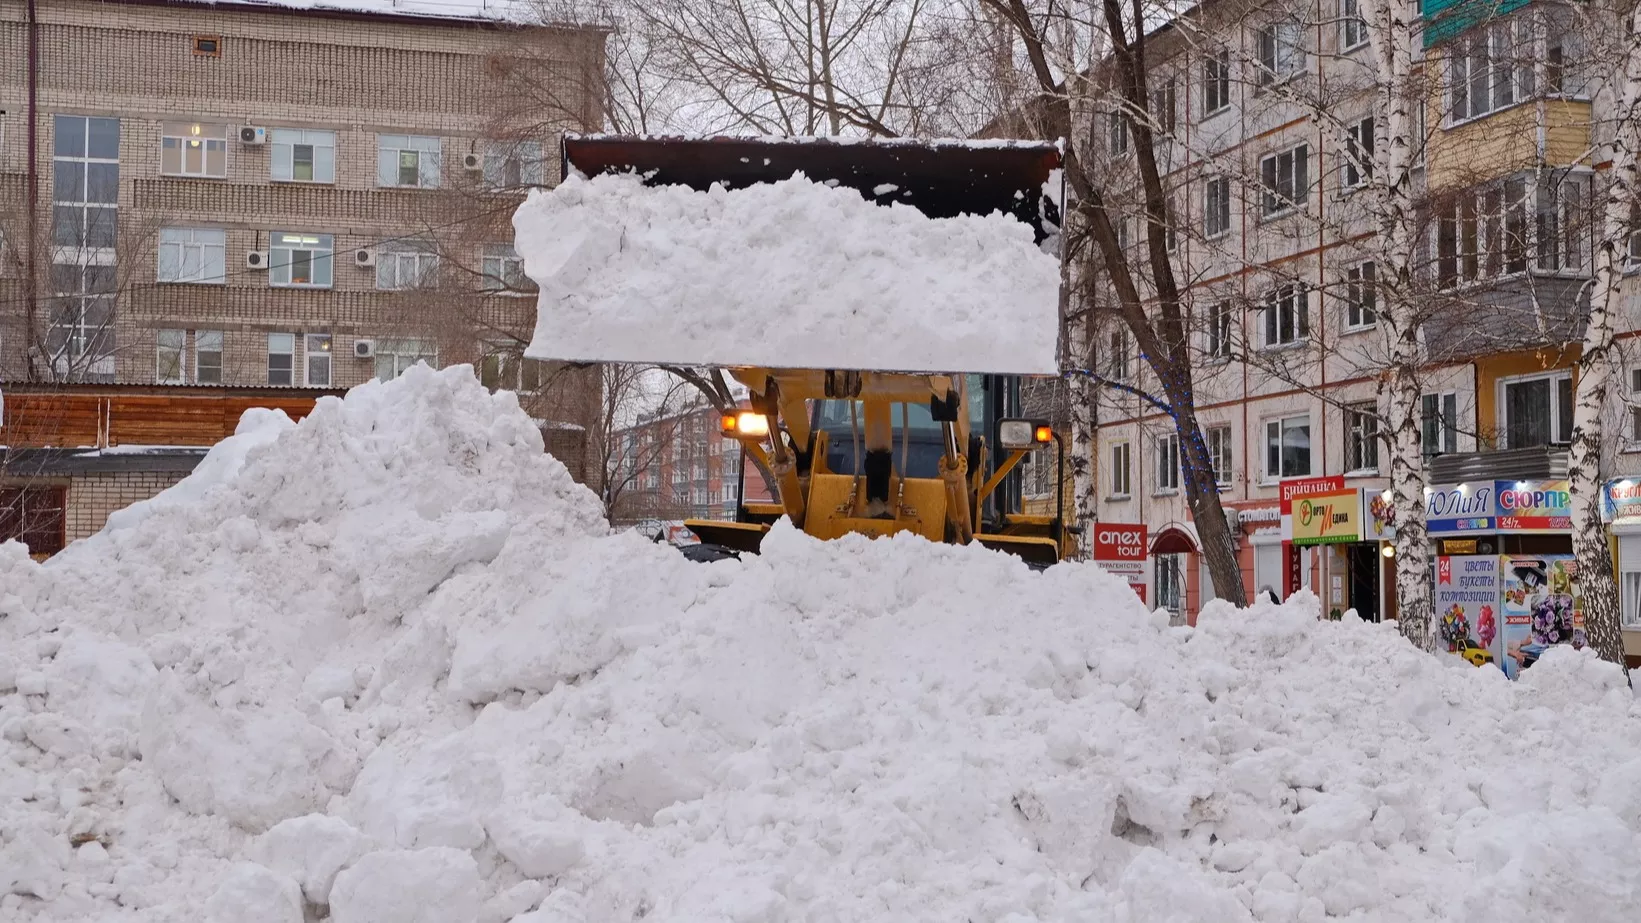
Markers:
point(1632, 599)
point(1170, 582)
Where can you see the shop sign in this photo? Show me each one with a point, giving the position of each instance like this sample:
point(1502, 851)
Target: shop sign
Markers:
point(1533, 506)
point(1460, 508)
point(1300, 487)
point(1467, 605)
point(1327, 518)
point(1378, 516)
point(1119, 541)
point(1131, 571)
point(1540, 607)
point(1258, 513)
point(1621, 499)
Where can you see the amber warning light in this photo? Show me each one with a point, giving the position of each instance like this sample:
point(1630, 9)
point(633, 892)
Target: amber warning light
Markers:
point(745, 424)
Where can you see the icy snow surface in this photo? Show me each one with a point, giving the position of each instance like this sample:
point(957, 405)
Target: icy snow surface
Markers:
point(787, 274)
point(516, 11)
point(387, 664)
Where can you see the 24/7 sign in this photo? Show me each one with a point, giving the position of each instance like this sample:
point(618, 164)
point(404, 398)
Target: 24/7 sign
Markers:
point(1119, 541)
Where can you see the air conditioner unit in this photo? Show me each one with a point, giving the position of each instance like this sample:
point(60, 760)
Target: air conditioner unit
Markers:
point(250, 134)
point(472, 163)
point(364, 257)
point(256, 259)
point(364, 349)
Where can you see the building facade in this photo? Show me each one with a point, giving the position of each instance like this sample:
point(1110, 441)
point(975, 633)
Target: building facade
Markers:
point(677, 464)
point(209, 200)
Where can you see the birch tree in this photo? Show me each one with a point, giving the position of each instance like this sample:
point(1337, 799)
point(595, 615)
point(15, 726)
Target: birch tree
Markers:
point(1614, 35)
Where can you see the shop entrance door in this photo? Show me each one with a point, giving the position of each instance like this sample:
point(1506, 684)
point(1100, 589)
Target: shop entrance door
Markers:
point(1362, 560)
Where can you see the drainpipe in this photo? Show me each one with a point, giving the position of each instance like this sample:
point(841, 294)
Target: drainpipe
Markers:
point(31, 247)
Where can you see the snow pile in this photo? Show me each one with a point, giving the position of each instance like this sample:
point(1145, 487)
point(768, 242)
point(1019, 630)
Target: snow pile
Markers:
point(787, 274)
point(386, 665)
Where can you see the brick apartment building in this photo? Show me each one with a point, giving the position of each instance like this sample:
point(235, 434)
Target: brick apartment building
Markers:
point(676, 464)
point(210, 206)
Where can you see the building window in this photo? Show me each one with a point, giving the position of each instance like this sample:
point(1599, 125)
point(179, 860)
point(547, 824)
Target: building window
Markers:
point(281, 357)
point(1216, 206)
point(1170, 576)
point(1635, 408)
point(1117, 358)
point(1361, 296)
point(399, 268)
point(302, 156)
point(1490, 69)
point(194, 149)
point(1121, 486)
point(1165, 106)
point(1631, 604)
point(1117, 132)
point(80, 339)
point(1439, 423)
point(1285, 180)
point(85, 182)
point(508, 371)
point(504, 270)
point(394, 356)
point(1281, 51)
point(197, 255)
point(1037, 475)
point(209, 46)
point(317, 348)
point(1358, 158)
point(1362, 437)
point(513, 164)
point(1219, 330)
point(1352, 27)
point(208, 357)
point(301, 260)
point(34, 516)
point(169, 349)
point(1168, 463)
point(1288, 447)
point(1562, 225)
point(408, 161)
point(1220, 454)
point(1482, 233)
point(1538, 410)
point(1287, 310)
point(1216, 82)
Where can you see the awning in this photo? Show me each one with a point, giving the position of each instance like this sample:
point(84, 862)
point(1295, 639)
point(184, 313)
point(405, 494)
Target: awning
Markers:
point(1173, 540)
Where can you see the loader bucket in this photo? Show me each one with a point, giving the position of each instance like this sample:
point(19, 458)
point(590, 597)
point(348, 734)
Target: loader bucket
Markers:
point(942, 179)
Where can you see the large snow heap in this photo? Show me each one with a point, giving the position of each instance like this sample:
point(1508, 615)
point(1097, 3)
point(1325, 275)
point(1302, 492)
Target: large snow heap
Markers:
point(387, 665)
point(786, 274)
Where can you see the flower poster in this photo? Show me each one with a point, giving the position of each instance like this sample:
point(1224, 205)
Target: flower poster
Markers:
point(1540, 608)
point(1467, 605)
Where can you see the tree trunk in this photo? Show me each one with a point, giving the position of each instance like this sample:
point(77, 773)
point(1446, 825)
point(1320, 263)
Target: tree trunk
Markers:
point(1597, 583)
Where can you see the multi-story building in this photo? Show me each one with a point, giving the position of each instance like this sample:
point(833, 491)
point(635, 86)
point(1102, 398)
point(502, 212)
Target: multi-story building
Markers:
point(1257, 108)
point(212, 205)
point(676, 464)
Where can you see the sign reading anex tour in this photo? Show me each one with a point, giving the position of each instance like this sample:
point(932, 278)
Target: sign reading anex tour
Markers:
point(1119, 541)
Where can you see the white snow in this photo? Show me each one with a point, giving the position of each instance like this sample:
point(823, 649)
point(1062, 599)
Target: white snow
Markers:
point(786, 274)
point(512, 11)
point(388, 662)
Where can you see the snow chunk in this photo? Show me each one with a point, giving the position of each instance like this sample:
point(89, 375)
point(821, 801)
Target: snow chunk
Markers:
point(310, 849)
point(786, 274)
point(438, 885)
point(253, 894)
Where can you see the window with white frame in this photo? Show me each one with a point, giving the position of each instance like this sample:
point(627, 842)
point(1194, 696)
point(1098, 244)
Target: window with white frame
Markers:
point(1117, 132)
point(1281, 50)
point(1482, 232)
point(1632, 599)
point(281, 358)
point(316, 347)
point(194, 149)
point(1219, 330)
point(1284, 179)
point(1561, 227)
point(301, 155)
point(208, 357)
point(1439, 423)
point(1165, 105)
point(1635, 238)
point(1357, 166)
point(503, 270)
point(513, 164)
point(1635, 408)
point(85, 182)
point(1490, 68)
point(196, 255)
point(80, 337)
point(1216, 206)
point(409, 161)
point(1167, 457)
point(1361, 296)
point(1362, 437)
point(1117, 355)
point(1170, 578)
point(1352, 27)
point(1121, 485)
point(1216, 81)
point(394, 356)
point(405, 266)
point(1536, 410)
point(170, 356)
point(1220, 453)
point(1288, 447)
point(1287, 310)
point(300, 260)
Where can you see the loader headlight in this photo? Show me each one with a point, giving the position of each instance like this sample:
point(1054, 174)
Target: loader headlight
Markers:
point(1024, 434)
point(745, 424)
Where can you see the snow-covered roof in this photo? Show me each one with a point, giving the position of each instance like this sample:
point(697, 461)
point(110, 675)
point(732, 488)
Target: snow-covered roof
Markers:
point(500, 11)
